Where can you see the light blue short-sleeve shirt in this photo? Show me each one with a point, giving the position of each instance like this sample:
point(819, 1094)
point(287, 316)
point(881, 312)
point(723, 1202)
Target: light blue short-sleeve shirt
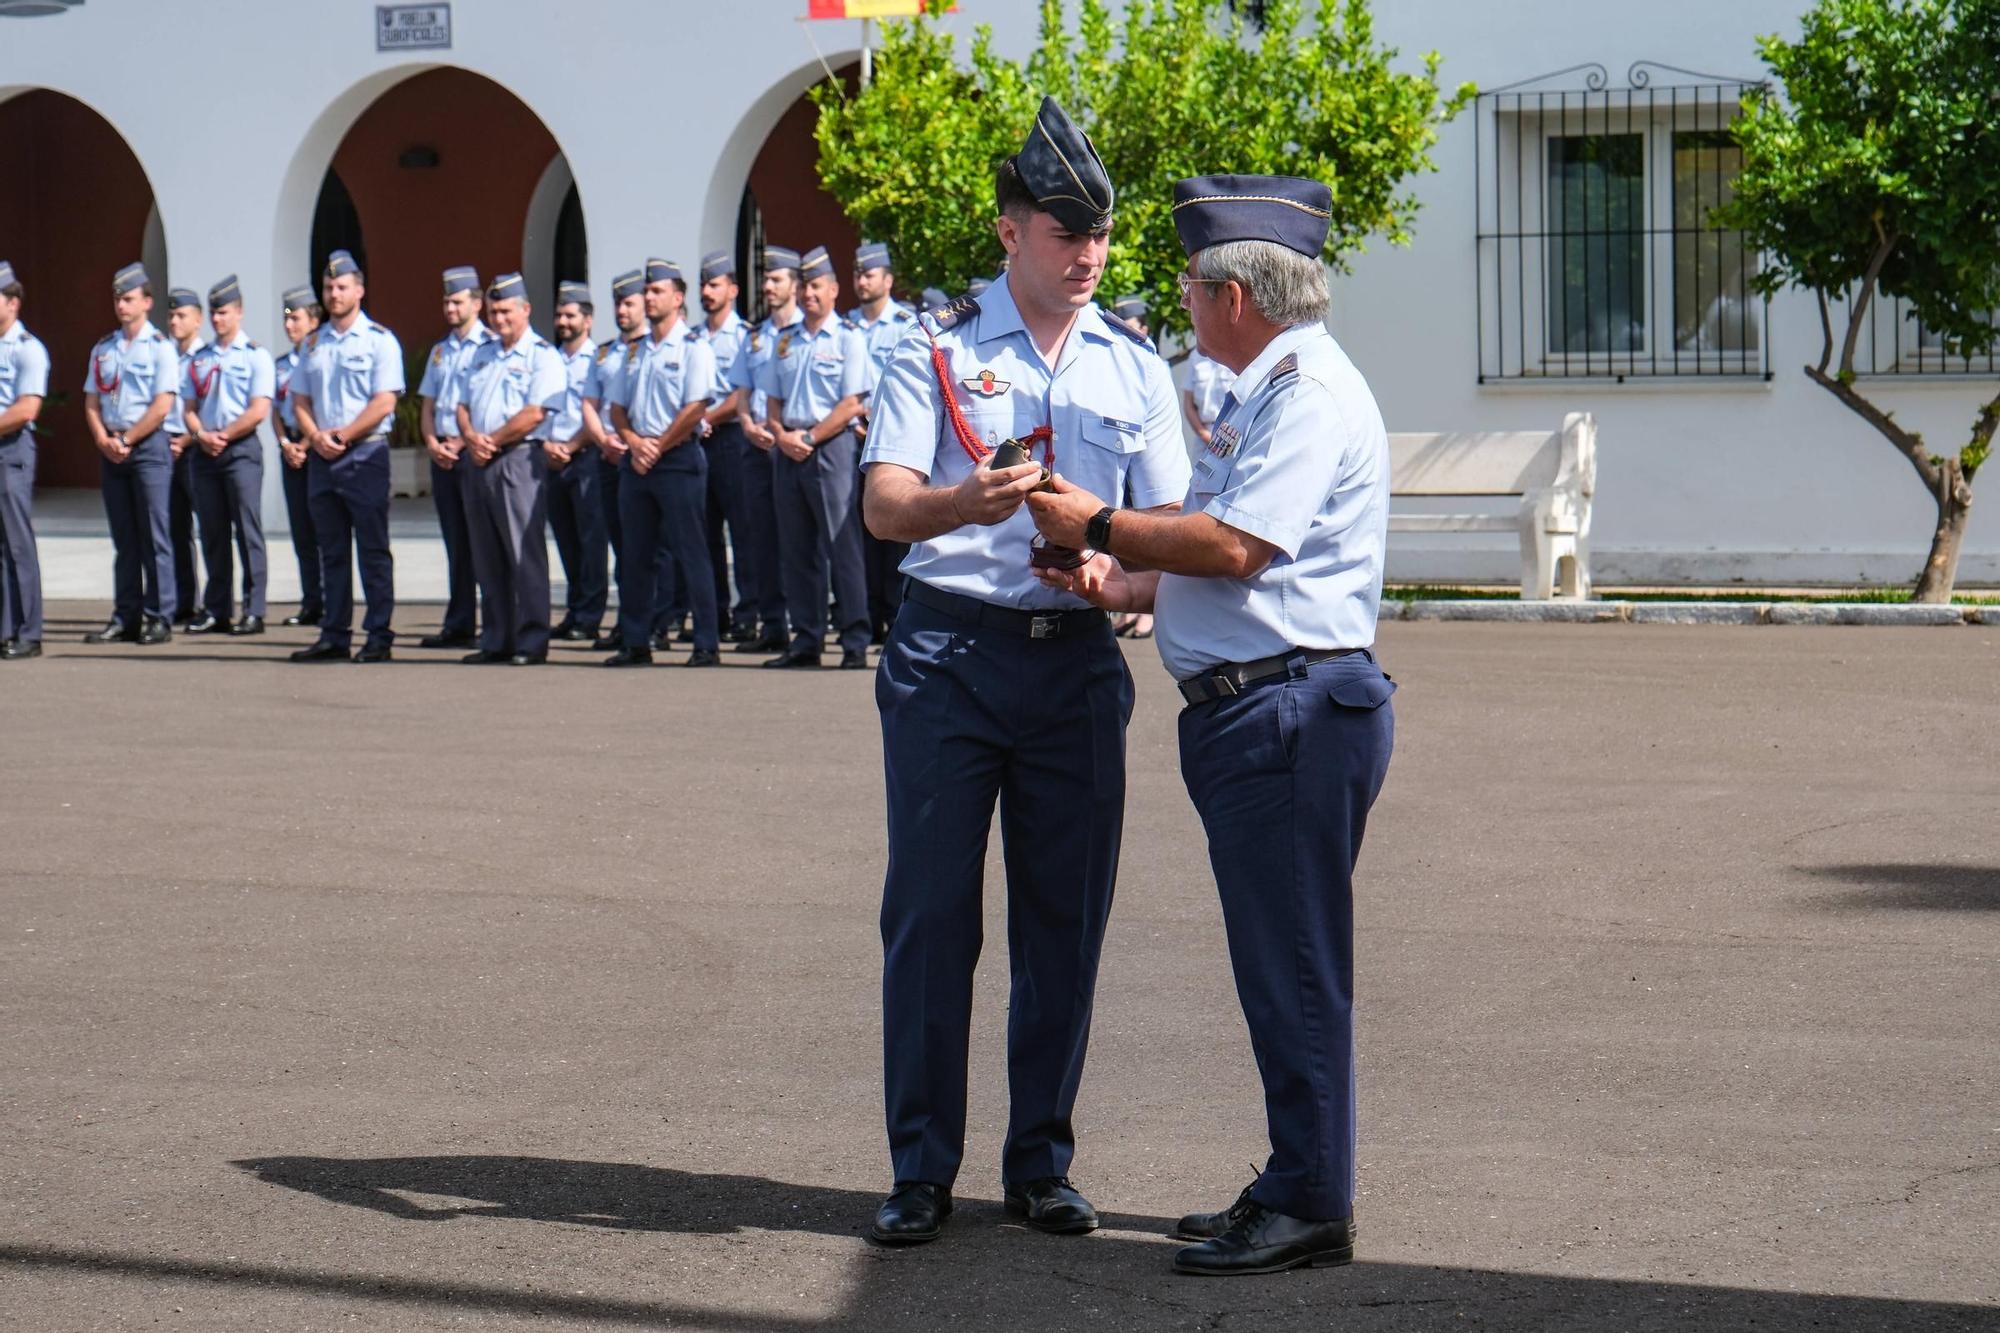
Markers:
point(882, 335)
point(127, 374)
point(662, 376)
point(502, 380)
point(444, 375)
point(1300, 459)
point(812, 371)
point(1109, 399)
point(24, 367)
point(281, 381)
point(607, 367)
point(223, 380)
point(758, 349)
point(726, 346)
point(566, 424)
point(340, 372)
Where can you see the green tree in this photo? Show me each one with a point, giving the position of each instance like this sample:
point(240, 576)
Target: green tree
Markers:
point(1171, 88)
point(1877, 175)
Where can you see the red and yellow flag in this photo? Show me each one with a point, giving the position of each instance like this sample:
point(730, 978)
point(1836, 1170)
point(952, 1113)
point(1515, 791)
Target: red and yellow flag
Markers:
point(873, 9)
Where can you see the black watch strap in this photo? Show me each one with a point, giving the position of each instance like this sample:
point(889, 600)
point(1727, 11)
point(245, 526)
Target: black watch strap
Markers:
point(1097, 532)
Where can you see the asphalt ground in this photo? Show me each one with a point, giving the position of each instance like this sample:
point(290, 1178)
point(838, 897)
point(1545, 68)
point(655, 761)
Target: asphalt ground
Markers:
point(426, 996)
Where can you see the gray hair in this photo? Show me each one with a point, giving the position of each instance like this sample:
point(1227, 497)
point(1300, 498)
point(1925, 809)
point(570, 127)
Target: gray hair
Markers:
point(1286, 287)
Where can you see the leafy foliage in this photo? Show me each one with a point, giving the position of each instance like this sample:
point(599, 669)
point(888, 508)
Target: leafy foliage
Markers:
point(1168, 89)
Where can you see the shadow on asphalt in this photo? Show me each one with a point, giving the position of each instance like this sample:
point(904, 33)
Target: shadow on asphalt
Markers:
point(1912, 887)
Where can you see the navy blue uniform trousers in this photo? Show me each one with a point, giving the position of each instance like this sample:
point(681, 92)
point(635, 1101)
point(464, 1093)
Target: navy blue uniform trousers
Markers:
point(507, 523)
point(461, 583)
point(229, 499)
point(350, 508)
point(20, 562)
point(760, 539)
point(666, 509)
point(136, 505)
point(1283, 776)
point(725, 520)
point(305, 538)
point(973, 714)
point(576, 519)
point(819, 542)
point(180, 523)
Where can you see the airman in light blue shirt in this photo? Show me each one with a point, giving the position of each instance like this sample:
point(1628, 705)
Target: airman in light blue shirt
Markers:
point(881, 319)
point(24, 384)
point(810, 371)
point(444, 371)
point(663, 375)
point(345, 368)
point(501, 380)
point(127, 374)
point(223, 379)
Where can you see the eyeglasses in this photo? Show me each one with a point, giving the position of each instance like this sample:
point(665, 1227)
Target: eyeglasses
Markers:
point(1183, 281)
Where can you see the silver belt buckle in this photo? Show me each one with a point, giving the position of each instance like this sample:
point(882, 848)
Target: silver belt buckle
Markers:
point(1044, 627)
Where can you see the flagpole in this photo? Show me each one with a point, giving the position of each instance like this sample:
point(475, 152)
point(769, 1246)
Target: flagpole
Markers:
point(867, 53)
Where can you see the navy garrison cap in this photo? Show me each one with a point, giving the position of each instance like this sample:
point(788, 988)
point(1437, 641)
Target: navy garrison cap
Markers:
point(180, 296)
point(572, 293)
point(7, 278)
point(508, 287)
point(815, 263)
point(778, 256)
point(978, 286)
point(224, 292)
point(627, 284)
point(662, 270)
point(1129, 307)
point(129, 277)
point(1285, 210)
point(1060, 167)
point(340, 263)
point(872, 254)
point(298, 298)
point(463, 278)
point(718, 264)
point(933, 298)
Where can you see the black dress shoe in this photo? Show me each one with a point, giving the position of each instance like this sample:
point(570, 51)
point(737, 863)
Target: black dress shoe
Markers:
point(854, 659)
point(321, 652)
point(795, 657)
point(207, 624)
point(483, 658)
point(763, 643)
point(374, 652)
point(247, 625)
point(703, 657)
point(527, 659)
point(447, 641)
point(304, 617)
point(156, 631)
point(658, 641)
point(114, 631)
point(1050, 1204)
point(15, 649)
point(684, 635)
point(1262, 1241)
point(574, 633)
point(1207, 1226)
point(740, 634)
point(913, 1213)
point(625, 657)
point(609, 643)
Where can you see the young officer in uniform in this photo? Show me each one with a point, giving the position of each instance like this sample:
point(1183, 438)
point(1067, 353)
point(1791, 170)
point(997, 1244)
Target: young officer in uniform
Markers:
point(302, 318)
point(628, 312)
point(993, 686)
point(24, 383)
point(226, 396)
point(813, 385)
point(1267, 586)
point(656, 408)
point(184, 329)
point(345, 393)
point(576, 501)
point(444, 372)
point(725, 332)
point(127, 393)
point(883, 321)
point(760, 505)
point(505, 398)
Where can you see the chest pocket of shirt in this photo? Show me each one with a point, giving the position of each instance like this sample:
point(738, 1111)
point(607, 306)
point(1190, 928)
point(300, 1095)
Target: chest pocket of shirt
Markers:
point(1211, 476)
point(140, 373)
point(1112, 445)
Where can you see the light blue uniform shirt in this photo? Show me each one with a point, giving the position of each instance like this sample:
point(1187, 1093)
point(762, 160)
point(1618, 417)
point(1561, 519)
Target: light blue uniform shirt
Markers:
point(566, 423)
point(126, 375)
point(607, 368)
point(1110, 400)
point(342, 371)
point(663, 376)
point(177, 414)
point(24, 367)
point(882, 335)
point(1299, 459)
point(222, 382)
point(758, 349)
point(444, 375)
point(726, 345)
point(811, 372)
point(281, 394)
point(502, 380)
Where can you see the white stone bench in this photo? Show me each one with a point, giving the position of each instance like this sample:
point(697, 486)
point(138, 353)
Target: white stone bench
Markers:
point(1553, 473)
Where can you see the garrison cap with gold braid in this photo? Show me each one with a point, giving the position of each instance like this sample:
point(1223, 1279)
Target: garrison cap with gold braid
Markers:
point(778, 256)
point(180, 296)
point(1060, 167)
point(871, 255)
point(298, 298)
point(662, 270)
point(340, 264)
point(628, 284)
point(129, 278)
point(1284, 210)
point(718, 264)
point(226, 292)
point(461, 278)
point(815, 263)
point(572, 293)
point(1129, 307)
point(7, 278)
point(508, 287)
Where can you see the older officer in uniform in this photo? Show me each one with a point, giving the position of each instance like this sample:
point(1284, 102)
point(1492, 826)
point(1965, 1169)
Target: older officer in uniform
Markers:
point(505, 399)
point(576, 501)
point(813, 386)
point(24, 383)
point(438, 391)
point(1267, 588)
point(344, 393)
point(722, 440)
point(994, 686)
point(656, 408)
point(628, 312)
point(227, 395)
point(760, 503)
point(129, 391)
point(302, 318)
point(184, 328)
point(883, 321)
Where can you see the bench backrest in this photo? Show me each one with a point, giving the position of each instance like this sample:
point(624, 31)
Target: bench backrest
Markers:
point(1494, 462)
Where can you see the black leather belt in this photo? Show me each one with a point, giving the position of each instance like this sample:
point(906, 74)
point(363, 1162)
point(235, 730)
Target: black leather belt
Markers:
point(1231, 678)
point(1028, 624)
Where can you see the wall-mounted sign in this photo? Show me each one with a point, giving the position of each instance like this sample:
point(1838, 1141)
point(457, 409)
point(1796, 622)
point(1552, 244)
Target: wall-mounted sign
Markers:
point(413, 27)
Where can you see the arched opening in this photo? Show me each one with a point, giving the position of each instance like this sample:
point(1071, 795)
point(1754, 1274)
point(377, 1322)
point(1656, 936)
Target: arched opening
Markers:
point(79, 206)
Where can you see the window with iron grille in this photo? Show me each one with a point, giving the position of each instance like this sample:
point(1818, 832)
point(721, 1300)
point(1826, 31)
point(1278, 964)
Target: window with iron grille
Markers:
point(1598, 256)
point(1895, 343)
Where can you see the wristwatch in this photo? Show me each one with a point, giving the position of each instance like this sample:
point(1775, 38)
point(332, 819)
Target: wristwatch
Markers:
point(1097, 532)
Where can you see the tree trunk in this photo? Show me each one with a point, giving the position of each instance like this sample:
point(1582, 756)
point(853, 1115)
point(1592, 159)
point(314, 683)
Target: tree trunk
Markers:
point(1954, 509)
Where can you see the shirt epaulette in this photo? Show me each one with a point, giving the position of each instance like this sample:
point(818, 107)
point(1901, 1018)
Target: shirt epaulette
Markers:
point(1286, 369)
point(901, 314)
point(953, 313)
point(1122, 327)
